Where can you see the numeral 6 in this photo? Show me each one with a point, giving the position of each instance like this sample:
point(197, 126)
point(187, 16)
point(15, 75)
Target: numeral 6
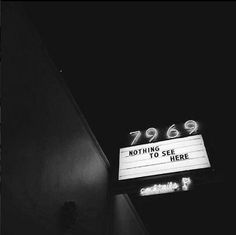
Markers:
point(172, 132)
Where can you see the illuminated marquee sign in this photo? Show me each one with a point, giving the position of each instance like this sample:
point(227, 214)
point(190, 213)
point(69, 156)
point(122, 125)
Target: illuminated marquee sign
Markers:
point(173, 155)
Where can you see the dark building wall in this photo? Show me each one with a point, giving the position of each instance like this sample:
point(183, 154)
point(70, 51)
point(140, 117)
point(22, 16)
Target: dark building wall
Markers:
point(50, 155)
point(126, 221)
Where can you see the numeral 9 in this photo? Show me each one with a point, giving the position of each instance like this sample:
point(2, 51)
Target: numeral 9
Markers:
point(151, 133)
point(191, 126)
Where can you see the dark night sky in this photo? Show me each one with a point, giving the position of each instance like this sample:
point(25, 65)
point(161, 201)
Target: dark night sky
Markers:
point(132, 65)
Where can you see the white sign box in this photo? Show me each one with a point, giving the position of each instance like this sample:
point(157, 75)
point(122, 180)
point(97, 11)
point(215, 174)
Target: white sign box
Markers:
point(163, 157)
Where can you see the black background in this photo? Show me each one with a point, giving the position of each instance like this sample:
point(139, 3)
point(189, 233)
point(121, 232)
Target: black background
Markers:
point(134, 65)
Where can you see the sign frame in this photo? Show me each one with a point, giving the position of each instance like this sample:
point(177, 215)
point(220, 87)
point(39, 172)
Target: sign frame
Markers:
point(199, 176)
point(140, 161)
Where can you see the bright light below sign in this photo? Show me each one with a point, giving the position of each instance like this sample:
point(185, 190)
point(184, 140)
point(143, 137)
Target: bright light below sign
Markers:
point(163, 157)
point(169, 187)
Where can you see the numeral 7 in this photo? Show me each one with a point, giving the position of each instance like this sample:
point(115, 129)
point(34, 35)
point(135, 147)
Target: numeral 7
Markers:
point(137, 135)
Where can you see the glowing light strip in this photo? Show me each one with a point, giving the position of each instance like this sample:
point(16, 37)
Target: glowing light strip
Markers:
point(167, 188)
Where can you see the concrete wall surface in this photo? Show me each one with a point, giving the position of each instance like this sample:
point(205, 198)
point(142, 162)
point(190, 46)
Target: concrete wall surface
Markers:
point(126, 220)
point(50, 155)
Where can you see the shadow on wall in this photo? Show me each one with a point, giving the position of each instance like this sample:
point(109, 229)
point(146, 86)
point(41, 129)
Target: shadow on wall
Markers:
point(56, 175)
point(52, 156)
point(126, 219)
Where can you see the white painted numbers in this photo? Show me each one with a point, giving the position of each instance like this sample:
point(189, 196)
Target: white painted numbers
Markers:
point(152, 134)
